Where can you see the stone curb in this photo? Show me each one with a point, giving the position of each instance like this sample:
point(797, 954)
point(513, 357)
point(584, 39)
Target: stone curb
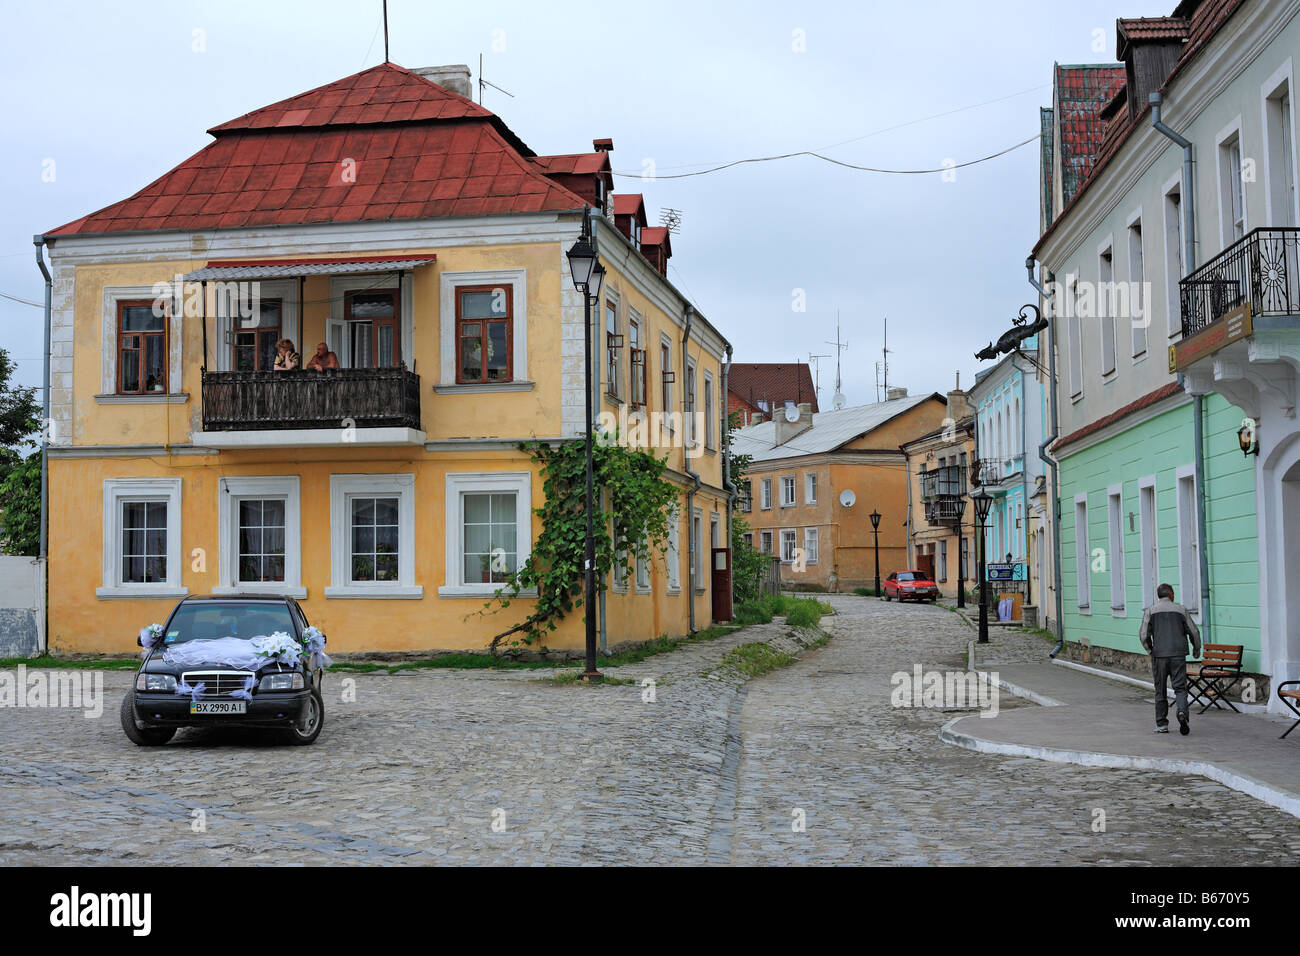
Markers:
point(1016, 690)
point(1281, 799)
point(1147, 685)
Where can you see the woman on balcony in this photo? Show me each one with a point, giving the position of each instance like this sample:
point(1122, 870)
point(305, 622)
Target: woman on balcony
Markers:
point(286, 358)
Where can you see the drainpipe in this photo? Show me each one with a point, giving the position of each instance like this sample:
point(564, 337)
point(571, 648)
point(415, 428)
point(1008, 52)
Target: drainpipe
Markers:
point(690, 495)
point(1051, 462)
point(727, 484)
point(1198, 405)
point(39, 242)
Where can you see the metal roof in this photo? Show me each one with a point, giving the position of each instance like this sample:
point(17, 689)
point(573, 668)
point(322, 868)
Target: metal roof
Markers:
point(829, 431)
point(306, 267)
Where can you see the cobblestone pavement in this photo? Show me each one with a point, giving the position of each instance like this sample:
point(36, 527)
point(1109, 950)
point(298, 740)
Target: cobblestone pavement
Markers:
point(422, 764)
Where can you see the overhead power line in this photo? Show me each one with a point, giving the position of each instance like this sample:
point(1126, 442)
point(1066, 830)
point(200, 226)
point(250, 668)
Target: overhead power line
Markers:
point(838, 162)
point(14, 298)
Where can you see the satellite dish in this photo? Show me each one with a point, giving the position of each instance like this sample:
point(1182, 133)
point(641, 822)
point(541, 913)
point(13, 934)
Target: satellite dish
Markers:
point(837, 401)
point(791, 414)
point(847, 497)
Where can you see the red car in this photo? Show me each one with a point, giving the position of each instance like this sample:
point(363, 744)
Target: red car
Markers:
point(913, 585)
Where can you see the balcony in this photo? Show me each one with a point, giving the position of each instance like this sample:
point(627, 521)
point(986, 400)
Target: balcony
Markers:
point(941, 491)
point(1260, 270)
point(987, 472)
point(373, 406)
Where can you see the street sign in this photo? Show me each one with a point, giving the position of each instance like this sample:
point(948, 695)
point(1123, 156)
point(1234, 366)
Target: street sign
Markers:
point(1000, 572)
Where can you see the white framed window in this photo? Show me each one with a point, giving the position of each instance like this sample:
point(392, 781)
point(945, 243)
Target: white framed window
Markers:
point(260, 527)
point(666, 380)
point(787, 491)
point(1106, 307)
point(1232, 189)
point(643, 572)
point(613, 348)
point(810, 545)
point(1138, 314)
point(789, 542)
point(691, 396)
point(766, 503)
point(708, 411)
point(810, 488)
point(1082, 555)
point(697, 545)
point(112, 298)
point(513, 281)
point(1173, 235)
point(372, 537)
point(1189, 541)
point(372, 323)
point(1149, 537)
point(673, 557)
point(1279, 148)
point(765, 542)
point(1074, 339)
point(1115, 533)
point(142, 539)
point(488, 531)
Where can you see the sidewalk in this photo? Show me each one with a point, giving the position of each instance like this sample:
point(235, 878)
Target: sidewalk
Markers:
point(1099, 722)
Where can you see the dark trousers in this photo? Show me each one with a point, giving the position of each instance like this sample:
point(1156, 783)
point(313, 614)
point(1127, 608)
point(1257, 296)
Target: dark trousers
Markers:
point(1171, 670)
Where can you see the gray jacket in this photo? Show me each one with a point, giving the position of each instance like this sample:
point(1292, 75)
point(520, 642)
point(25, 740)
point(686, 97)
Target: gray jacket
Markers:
point(1166, 629)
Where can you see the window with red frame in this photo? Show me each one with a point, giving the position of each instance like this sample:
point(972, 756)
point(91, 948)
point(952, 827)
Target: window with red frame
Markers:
point(141, 348)
point(373, 328)
point(484, 334)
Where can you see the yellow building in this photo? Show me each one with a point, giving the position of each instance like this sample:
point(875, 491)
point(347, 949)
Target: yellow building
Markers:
point(941, 518)
point(815, 479)
point(414, 235)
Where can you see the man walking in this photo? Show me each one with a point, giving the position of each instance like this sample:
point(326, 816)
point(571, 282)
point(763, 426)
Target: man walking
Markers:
point(1166, 629)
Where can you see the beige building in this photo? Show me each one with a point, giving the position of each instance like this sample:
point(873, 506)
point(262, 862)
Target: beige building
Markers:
point(941, 519)
point(814, 482)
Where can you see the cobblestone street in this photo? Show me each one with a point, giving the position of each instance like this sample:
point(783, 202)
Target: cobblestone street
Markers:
point(420, 766)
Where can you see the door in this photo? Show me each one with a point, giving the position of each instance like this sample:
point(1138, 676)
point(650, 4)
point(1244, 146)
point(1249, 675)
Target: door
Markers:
point(925, 564)
point(721, 565)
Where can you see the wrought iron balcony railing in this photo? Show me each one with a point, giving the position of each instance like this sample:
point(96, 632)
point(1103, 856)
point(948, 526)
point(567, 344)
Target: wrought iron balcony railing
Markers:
point(986, 472)
point(369, 397)
point(1261, 269)
point(948, 480)
point(944, 510)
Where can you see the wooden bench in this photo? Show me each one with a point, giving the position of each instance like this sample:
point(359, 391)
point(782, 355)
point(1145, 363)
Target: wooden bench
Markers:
point(1288, 693)
point(1216, 673)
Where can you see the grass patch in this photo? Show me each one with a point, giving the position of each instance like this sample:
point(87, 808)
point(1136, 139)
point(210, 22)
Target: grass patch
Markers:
point(103, 664)
point(572, 678)
point(755, 659)
point(866, 592)
point(798, 612)
point(453, 661)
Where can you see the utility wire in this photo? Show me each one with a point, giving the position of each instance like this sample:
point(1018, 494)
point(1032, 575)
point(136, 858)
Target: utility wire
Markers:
point(837, 162)
point(14, 298)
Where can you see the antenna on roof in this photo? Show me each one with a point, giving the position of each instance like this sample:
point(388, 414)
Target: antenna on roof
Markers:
point(672, 218)
point(837, 400)
point(386, 60)
point(482, 83)
point(815, 362)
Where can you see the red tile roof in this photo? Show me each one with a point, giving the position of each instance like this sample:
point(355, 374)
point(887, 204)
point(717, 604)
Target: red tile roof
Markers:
point(1081, 92)
point(348, 151)
point(772, 382)
point(630, 204)
point(1147, 29)
point(1205, 17)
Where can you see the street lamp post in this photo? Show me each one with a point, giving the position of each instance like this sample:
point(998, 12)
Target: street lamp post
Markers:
point(588, 274)
point(875, 531)
point(983, 501)
point(961, 553)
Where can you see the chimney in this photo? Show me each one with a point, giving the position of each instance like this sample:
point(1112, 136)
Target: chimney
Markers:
point(454, 77)
point(603, 145)
point(895, 392)
point(756, 418)
point(786, 429)
point(958, 405)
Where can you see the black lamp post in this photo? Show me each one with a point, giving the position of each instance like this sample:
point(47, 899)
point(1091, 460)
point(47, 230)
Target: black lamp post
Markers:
point(983, 501)
point(875, 530)
point(588, 274)
point(961, 552)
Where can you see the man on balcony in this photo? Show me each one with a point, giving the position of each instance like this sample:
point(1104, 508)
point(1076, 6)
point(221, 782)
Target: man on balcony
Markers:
point(323, 359)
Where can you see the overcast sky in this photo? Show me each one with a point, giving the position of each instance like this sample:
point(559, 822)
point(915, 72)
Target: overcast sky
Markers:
point(117, 94)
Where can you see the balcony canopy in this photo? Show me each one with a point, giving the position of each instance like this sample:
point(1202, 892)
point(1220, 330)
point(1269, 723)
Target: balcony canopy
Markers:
point(222, 269)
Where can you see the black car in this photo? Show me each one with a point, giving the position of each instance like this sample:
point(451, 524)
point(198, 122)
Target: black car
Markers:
point(279, 697)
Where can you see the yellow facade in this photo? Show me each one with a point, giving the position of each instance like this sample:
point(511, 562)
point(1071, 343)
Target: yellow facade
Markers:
point(942, 541)
point(106, 439)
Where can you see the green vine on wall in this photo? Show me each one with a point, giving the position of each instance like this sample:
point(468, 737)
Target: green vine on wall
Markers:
point(635, 493)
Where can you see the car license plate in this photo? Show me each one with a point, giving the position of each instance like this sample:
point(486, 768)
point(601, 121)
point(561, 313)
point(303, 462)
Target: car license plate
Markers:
point(218, 707)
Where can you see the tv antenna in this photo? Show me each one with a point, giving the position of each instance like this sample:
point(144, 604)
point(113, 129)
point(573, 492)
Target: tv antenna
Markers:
point(672, 218)
point(838, 400)
point(815, 362)
point(386, 60)
point(482, 83)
